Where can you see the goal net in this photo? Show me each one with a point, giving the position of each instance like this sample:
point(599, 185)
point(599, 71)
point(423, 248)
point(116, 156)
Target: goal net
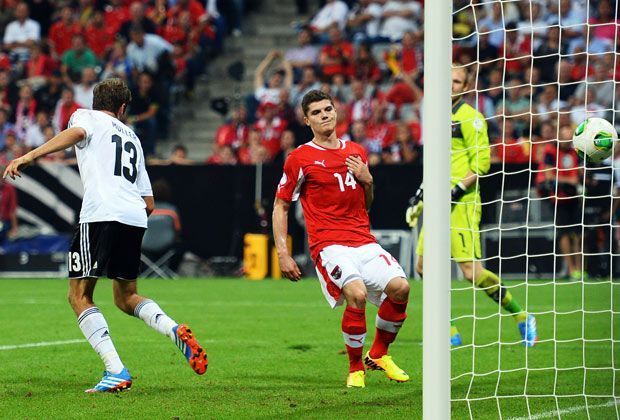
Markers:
point(549, 225)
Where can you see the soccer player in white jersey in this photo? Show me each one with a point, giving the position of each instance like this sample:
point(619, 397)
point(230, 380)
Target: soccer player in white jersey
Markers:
point(117, 201)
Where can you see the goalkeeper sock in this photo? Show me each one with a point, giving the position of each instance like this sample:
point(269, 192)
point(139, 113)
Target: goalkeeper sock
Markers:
point(354, 334)
point(95, 329)
point(150, 312)
point(390, 318)
point(498, 292)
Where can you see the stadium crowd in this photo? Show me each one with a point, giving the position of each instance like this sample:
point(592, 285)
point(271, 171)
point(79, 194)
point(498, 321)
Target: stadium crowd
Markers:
point(54, 52)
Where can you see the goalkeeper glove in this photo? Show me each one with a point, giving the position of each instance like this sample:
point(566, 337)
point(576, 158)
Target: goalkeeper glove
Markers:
point(415, 208)
point(458, 191)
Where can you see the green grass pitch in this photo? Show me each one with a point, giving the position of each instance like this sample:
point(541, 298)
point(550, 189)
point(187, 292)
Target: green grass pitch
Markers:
point(276, 351)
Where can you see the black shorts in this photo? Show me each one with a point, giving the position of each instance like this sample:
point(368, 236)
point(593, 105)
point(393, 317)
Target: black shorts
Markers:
point(105, 246)
point(568, 216)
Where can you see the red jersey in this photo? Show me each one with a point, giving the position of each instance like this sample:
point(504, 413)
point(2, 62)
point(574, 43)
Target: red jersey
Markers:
point(334, 203)
point(61, 36)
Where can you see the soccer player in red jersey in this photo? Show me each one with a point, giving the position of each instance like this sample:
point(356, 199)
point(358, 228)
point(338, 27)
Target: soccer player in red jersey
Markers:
point(332, 179)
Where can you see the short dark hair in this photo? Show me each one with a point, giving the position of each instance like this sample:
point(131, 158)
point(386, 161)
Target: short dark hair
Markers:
point(110, 95)
point(314, 96)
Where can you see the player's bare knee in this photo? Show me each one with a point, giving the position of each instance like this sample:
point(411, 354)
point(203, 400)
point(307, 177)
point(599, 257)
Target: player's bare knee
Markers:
point(356, 298)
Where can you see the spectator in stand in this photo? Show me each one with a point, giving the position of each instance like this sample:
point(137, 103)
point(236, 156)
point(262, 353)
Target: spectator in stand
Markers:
point(602, 37)
point(287, 145)
point(285, 111)
point(117, 63)
point(25, 111)
point(516, 104)
point(493, 23)
point(178, 156)
point(548, 104)
point(301, 131)
point(365, 66)
point(158, 13)
point(12, 148)
point(116, 13)
point(600, 83)
point(532, 22)
point(137, 18)
point(548, 135)
point(270, 126)
point(41, 11)
point(59, 157)
point(509, 148)
point(360, 107)
point(404, 149)
point(546, 57)
point(62, 32)
point(5, 126)
point(516, 51)
point(49, 94)
point(233, 133)
point(281, 79)
point(309, 81)
point(336, 57)
point(145, 50)
point(83, 91)
point(254, 151)
point(21, 33)
point(9, 93)
point(334, 12)
point(580, 112)
point(39, 66)
point(399, 17)
point(222, 155)
point(8, 210)
point(572, 20)
point(562, 178)
point(402, 58)
point(77, 59)
point(142, 112)
point(99, 37)
point(34, 134)
point(305, 54)
point(65, 107)
point(364, 22)
point(380, 131)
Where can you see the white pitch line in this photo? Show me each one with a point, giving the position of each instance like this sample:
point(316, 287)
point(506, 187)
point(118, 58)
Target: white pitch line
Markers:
point(41, 344)
point(570, 410)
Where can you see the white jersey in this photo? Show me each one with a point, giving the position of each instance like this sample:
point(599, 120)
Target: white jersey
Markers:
point(112, 169)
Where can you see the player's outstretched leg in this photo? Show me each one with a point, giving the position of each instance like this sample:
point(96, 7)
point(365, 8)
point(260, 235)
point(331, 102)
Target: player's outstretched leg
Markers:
point(354, 334)
point(390, 318)
point(127, 299)
point(95, 328)
point(354, 331)
point(496, 291)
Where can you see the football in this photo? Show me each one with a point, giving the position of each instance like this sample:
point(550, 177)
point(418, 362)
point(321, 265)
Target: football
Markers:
point(594, 139)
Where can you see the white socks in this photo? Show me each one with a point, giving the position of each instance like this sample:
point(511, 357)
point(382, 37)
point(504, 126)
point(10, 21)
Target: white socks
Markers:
point(155, 317)
point(95, 329)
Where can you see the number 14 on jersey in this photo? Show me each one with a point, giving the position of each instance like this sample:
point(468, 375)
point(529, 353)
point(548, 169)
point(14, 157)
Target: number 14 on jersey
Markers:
point(349, 181)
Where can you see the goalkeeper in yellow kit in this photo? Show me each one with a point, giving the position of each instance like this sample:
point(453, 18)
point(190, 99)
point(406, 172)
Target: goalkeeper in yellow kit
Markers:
point(471, 157)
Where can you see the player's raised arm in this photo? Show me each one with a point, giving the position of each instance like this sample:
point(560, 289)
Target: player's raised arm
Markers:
point(288, 266)
point(63, 140)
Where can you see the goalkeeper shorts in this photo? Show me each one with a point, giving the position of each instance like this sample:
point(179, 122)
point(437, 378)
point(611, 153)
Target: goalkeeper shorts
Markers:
point(464, 232)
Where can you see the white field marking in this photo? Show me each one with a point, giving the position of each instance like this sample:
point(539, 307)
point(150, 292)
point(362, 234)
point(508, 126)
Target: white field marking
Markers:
point(41, 344)
point(569, 410)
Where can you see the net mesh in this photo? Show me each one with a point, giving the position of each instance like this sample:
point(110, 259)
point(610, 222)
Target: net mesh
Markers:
point(549, 220)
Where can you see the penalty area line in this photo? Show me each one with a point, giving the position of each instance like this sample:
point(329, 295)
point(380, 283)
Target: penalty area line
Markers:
point(41, 344)
point(569, 410)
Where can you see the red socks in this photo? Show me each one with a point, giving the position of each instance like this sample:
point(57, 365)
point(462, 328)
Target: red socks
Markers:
point(390, 318)
point(354, 333)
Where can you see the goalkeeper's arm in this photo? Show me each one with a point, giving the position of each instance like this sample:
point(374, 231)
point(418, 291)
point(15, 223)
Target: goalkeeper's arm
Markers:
point(415, 207)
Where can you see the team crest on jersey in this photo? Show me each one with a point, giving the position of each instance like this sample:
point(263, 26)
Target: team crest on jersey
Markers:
point(336, 272)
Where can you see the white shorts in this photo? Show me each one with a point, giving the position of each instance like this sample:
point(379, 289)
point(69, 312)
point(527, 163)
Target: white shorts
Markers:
point(337, 265)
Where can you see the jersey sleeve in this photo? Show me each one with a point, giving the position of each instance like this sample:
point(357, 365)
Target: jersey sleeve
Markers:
point(83, 119)
point(291, 181)
point(476, 139)
point(142, 181)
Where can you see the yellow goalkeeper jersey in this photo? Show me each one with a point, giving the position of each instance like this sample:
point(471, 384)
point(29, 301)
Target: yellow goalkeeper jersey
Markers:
point(470, 143)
